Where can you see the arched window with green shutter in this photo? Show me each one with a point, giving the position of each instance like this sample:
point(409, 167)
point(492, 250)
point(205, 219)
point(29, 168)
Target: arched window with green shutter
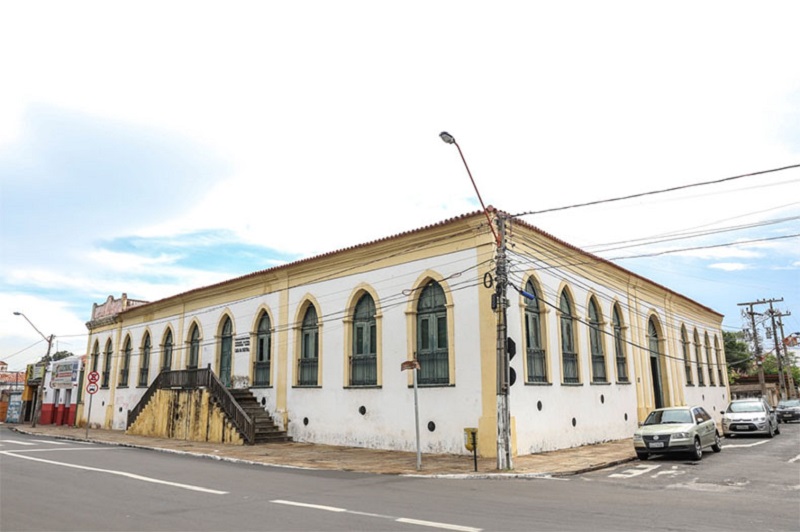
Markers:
point(535, 350)
point(432, 340)
point(364, 357)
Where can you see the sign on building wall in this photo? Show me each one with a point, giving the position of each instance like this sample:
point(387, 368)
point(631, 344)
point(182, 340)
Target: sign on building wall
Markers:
point(14, 408)
point(65, 374)
point(242, 344)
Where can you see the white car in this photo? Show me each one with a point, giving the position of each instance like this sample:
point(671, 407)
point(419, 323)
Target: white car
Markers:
point(682, 429)
point(749, 416)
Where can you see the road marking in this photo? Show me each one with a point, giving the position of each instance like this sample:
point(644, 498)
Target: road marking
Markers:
point(17, 442)
point(795, 459)
point(670, 472)
point(635, 472)
point(119, 473)
point(734, 445)
point(313, 506)
point(406, 520)
point(437, 525)
point(50, 442)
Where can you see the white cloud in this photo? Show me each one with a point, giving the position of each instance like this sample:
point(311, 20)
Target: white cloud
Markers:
point(730, 266)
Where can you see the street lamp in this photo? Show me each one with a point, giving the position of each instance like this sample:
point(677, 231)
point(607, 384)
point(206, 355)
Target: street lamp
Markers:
point(503, 365)
point(37, 407)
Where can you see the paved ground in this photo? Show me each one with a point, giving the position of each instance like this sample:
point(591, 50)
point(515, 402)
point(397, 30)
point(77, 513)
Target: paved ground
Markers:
point(314, 456)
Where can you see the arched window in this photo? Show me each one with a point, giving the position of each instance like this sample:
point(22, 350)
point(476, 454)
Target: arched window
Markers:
point(261, 371)
point(124, 367)
point(106, 377)
point(653, 345)
point(537, 362)
point(569, 353)
point(166, 352)
point(596, 344)
point(432, 341)
point(144, 361)
point(226, 352)
point(699, 358)
point(687, 360)
point(95, 355)
point(709, 361)
point(194, 347)
point(364, 357)
point(720, 361)
point(308, 371)
point(619, 346)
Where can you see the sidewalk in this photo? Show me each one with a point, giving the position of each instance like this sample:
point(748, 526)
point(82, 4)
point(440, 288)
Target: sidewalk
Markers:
point(315, 456)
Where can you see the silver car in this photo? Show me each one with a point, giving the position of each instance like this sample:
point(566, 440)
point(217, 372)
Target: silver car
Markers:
point(683, 429)
point(749, 416)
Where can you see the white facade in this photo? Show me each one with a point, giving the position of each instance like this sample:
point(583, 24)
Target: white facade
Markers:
point(457, 255)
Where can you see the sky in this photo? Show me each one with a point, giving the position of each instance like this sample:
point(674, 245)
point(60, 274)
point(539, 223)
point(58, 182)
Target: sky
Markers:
point(149, 148)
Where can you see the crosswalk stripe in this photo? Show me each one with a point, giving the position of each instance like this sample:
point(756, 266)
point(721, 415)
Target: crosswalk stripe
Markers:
point(17, 442)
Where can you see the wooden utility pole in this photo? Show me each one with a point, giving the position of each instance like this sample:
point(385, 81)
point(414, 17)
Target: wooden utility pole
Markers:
point(756, 346)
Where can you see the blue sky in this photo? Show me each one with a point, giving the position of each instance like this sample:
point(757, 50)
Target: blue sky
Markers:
point(155, 148)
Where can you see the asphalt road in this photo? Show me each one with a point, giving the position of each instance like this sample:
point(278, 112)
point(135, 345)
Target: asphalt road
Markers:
point(754, 484)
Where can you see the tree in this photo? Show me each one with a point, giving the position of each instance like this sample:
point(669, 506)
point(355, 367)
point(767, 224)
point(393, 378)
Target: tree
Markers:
point(58, 356)
point(737, 355)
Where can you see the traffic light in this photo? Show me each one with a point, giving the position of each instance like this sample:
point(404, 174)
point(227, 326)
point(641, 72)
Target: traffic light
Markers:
point(511, 350)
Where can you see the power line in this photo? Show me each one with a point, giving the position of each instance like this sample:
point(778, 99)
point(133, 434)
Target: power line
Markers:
point(662, 191)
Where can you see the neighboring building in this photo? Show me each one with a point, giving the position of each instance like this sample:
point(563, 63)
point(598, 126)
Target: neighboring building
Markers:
point(11, 380)
point(62, 391)
point(319, 343)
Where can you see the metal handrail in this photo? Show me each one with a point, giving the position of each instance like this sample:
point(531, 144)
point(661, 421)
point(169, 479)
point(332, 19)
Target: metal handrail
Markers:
point(193, 379)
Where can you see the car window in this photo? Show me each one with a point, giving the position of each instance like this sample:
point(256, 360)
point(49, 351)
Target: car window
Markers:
point(658, 417)
point(701, 415)
point(748, 406)
point(790, 403)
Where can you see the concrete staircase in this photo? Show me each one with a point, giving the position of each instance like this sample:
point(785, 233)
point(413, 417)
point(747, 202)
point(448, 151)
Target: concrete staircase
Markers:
point(266, 431)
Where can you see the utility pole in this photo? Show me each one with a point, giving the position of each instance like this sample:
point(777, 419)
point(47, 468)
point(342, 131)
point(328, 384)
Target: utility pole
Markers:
point(792, 389)
point(756, 346)
point(504, 455)
point(39, 397)
point(499, 305)
point(782, 387)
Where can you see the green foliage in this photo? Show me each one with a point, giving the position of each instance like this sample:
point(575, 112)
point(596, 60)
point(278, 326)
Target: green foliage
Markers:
point(737, 354)
point(58, 356)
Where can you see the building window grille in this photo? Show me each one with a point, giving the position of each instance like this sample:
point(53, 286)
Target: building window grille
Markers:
point(194, 348)
point(106, 376)
point(226, 352)
point(569, 354)
point(699, 357)
point(95, 356)
point(432, 340)
point(619, 346)
point(308, 374)
point(537, 361)
point(126, 363)
point(596, 344)
point(709, 362)
point(720, 362)
point(686, 350)
point(144, 364)
point(166, 352)
point(261, 371)
point(364, 358)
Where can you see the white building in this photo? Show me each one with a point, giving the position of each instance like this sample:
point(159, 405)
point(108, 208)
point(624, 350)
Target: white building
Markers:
point(320, 342)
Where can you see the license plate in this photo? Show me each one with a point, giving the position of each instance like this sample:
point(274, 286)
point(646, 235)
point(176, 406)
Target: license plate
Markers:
point(741, 427)
point(657, 444)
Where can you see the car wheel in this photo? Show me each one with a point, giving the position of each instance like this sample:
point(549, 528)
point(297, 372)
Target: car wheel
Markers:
point(716, 447)
point(641, 455)
point(697, 452)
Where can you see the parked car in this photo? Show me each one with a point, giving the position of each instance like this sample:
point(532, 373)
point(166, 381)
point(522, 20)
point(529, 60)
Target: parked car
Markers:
point(683, 429)
point(749, 416)
point(788, 410)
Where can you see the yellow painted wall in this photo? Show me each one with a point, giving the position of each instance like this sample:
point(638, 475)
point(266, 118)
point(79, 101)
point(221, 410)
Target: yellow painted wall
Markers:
point(185, 415)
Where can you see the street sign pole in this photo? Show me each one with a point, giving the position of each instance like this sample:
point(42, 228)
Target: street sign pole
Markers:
point(89, 415)
point(413, 365)
point(93, 377)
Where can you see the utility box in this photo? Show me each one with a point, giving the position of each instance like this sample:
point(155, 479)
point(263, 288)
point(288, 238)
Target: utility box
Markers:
point(470, 438)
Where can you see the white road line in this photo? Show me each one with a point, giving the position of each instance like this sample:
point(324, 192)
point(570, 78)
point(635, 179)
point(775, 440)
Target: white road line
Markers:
point(405, 520)
point(636, 471)
point(313, 506)
point(438, 525)
point(795, 459)
point(735, 445)
point(120, 473)
point(51, 442)
point(17, 442)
